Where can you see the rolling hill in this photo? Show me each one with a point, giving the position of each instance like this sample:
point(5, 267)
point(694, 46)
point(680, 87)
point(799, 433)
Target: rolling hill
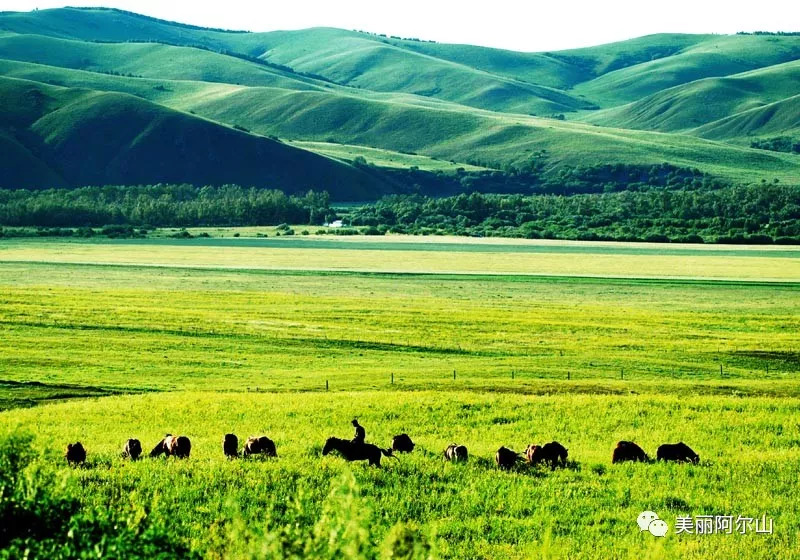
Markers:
point(74, 137)
point(685, 107)
point(445, 131)
point(689, 100)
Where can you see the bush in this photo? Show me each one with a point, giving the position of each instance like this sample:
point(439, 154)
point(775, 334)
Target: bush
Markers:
point(41, 517)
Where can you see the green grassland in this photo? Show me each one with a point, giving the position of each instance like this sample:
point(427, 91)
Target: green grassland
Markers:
point(302, 505)
point(222, 336)
point(469, 105)
point(399, 255)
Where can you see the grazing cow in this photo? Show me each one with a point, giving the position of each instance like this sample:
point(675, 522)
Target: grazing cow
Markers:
point(173, 446)
point(628, 451)
point(76, 454)
point(506, 458)
point(679, 452)
point(259, 446)
point(456, 453)
point(402, 443)
point(356, 451)
point(132, 449)
point(553, 454)
point(230, 446)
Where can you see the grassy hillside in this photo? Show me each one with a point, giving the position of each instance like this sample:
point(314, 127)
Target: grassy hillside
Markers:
point(775, 119)
point(369, 65)
point(717, 56)
point(90, 137)
point(483, 138)
point(148, 60)
point(445, 131)
point(108, 25)
point(456, 103)
point(482, 77)
point(701, 102)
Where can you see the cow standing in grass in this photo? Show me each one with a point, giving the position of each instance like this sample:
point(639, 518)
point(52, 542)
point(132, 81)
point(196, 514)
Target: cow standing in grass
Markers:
point(173, 446)
point(132, 449)
point(75, 454)
point(552, 454)
point(456, 453)
point(402, 443)
point(230, 446)
point(259, 446)
point(628, 451)
point(678, 452)
point(506, 458)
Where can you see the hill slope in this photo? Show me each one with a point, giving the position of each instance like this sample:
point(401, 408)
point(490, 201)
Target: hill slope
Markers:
point(718, 56)
point(605, 75)
point(86, 138)
point(698, 103)
point(776, 119)
point(137, 81)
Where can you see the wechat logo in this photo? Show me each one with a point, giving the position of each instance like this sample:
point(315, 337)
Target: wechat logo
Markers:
point(649, 521)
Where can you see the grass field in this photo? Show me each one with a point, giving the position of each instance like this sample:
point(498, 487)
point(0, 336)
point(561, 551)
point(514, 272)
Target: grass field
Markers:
point(303, 505)
point(242, 335)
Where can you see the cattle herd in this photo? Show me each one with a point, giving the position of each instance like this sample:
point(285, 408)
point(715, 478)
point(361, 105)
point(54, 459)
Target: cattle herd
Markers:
point(551, 454)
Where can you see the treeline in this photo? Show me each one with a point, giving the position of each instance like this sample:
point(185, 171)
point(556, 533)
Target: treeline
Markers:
point(778, 144)
point(776, 33)
point(532, 179)
point(161, 206)
point(767, 213)
point(751, 214)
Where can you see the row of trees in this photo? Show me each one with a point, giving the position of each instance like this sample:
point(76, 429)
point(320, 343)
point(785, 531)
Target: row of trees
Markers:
point(531, 178)
point(757, 214)
point(161, 206)
point(778, 144)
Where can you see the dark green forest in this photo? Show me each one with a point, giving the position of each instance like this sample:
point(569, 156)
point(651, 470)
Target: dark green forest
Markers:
point(768, 213)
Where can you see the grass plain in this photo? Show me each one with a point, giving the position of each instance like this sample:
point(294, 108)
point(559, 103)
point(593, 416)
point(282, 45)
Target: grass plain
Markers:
point(216, 348)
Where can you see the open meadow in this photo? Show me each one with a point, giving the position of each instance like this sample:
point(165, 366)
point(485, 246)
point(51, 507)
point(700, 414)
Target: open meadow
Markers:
point(480, 342)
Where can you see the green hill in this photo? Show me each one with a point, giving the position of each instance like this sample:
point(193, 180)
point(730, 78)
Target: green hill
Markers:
point(87, 138)
point(148, 60)
point(445, 131)
point(715, 56)
point(701, 102)
point(500, 80)
point(688, 100)
point(350, 58)
point(776, 119)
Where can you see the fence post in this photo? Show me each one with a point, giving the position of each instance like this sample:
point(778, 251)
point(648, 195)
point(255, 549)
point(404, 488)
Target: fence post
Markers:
point(567, 375)
point(326, 384)
point(622, 373)
point(392, 378)
point(454, 375)
point(512, 374)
